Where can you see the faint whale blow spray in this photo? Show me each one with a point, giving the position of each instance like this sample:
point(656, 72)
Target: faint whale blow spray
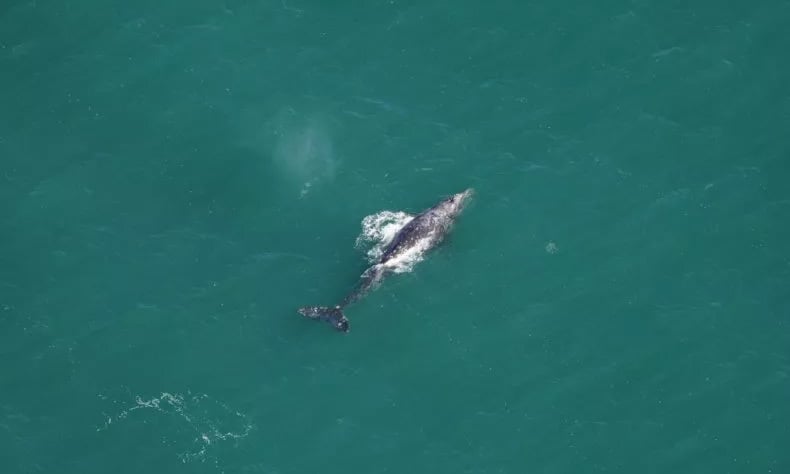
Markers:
point(304, 152)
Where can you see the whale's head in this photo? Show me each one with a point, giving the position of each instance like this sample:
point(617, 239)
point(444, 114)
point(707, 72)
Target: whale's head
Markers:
point(455, 204)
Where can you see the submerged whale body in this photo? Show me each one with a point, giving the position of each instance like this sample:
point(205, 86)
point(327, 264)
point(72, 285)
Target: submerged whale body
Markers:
point(424, 232)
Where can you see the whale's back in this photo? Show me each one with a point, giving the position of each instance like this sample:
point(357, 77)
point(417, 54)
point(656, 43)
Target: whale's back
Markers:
point(424, 231)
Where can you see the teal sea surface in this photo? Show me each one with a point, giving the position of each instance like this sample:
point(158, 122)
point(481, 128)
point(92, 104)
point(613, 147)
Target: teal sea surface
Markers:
point(177, 178)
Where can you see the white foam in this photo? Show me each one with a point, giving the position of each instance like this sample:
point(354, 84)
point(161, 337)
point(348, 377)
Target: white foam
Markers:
point(379, 229)
point(207, 422)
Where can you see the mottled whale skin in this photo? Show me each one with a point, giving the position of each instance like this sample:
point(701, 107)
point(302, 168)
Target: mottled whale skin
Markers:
point(421, 234)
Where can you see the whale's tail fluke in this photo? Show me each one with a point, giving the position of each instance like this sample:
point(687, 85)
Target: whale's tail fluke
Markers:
point(332, 315)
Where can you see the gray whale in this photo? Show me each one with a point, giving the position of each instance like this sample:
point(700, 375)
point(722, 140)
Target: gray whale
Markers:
point(424, 232)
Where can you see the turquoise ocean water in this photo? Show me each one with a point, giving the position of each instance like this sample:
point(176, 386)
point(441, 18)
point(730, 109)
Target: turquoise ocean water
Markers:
point(176, 178)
